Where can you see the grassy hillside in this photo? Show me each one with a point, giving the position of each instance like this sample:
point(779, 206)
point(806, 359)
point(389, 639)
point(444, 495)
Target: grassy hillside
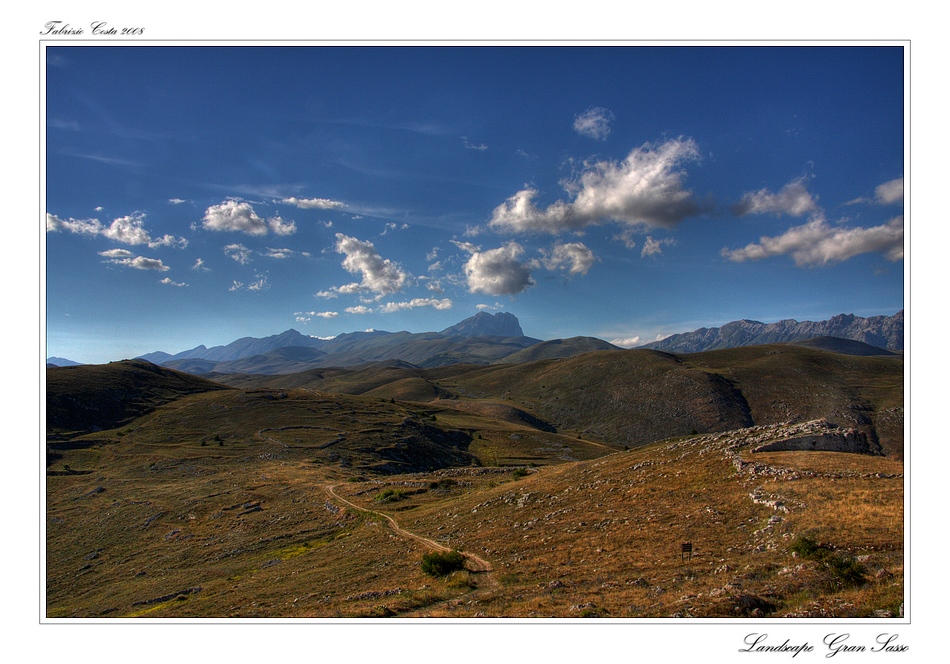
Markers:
point(173, 496)
point(94, 397)
point(792, 383)
point(247, 530)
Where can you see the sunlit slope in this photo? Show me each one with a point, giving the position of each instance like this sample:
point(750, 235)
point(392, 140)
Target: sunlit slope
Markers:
point(251, 529)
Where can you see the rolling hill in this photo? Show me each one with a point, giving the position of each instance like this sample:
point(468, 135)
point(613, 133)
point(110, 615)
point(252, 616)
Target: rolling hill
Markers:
point(317, 494)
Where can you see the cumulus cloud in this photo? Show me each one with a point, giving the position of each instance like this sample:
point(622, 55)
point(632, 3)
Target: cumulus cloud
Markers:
point(169, 282)
point(594, 123)
point(129, 229)
point(380, 275)
point(358, 309)
point(238, 252)
point(280, 227)
point(126, 258)
point(498, 271)
point(890, 192)
point(327, 314)
point(199, 266)
point(391, 307)
point(234, 216)
point(818, 243)
point(645, 189)
point(575, 257)
point(80, 226)
point(314, 203)
point(792, 199)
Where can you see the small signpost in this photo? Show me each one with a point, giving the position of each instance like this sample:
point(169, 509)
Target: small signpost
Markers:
point(687, 551)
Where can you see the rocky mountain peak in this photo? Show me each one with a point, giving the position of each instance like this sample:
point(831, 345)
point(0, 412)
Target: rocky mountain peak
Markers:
point(484, 324)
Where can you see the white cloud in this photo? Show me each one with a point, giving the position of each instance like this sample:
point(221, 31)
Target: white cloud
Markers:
point(176, 201)
point(498, 271)
point(282, 228)
point(594, 123)
point(327, 314)
point(645, 189)
point(325, 294)
point(126, 258)
point(652, 247)
point(236, 285)
point(380, 275)
point(80, 226)
point(391, 307)
point(818, 243)
point(574, 256)
point(467, 246)
point(890, 192)
point(359, 309)
point(792, 199)
point(314, 203)
point(481, 147)
point(117, 253)
point(169, 282)
point(259, 285)
point(271, 252)
point(239, 253)
point(128, 230)
point(199, 266)
point(234, 216)
point(626, 342)
point(168, 241)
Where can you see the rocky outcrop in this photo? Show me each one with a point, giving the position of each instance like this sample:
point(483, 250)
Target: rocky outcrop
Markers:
point(831, 439)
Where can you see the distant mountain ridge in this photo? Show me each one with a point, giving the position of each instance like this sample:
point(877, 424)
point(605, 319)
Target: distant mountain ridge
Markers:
point(480, 339)
point(880, 331)
point(498, 338)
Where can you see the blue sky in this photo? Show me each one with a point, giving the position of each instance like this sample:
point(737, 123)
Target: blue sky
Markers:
point(201, 194)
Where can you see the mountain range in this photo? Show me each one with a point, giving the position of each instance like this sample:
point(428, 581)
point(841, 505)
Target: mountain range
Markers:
point(498, 338)
point(880, 331)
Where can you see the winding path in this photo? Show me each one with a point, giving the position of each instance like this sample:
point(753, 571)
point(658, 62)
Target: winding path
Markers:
point(475, 565)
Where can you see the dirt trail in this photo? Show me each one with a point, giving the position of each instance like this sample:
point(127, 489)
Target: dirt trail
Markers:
point(474, 564)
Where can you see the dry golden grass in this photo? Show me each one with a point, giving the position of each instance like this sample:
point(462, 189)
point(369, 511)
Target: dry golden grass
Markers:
point(268, 503)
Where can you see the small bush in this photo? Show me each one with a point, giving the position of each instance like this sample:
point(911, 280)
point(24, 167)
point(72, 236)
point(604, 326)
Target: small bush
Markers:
point(390, 496)
point(846, 571)
point(446, 484)
point(519, 472)
point(442, 563)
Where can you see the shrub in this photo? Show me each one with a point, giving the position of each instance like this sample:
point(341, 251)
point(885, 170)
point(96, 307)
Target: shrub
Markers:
point(845, 570)
point(390, 496)
point(519, 472)
point(442, 563)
